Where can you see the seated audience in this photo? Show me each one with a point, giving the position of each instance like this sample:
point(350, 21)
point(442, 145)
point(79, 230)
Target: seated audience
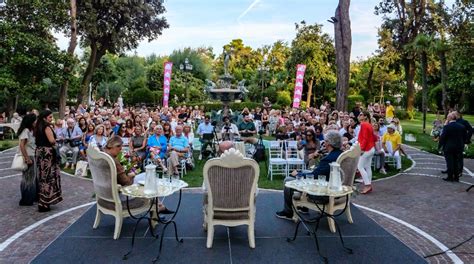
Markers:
point(178, 148)
point(391, 142)
point(71, 140)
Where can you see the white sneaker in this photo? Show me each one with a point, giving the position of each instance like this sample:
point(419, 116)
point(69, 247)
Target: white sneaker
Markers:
point(200, 157)
point(383, 171)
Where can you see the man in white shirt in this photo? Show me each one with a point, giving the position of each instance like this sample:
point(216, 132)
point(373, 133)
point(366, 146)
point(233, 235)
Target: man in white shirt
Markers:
point(205, 131)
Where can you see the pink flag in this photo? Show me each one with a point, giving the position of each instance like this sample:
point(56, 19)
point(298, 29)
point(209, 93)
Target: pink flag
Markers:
point(300, 69)
point(166, 83)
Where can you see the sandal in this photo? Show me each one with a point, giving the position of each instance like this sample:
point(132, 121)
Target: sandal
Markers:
point(367, 190)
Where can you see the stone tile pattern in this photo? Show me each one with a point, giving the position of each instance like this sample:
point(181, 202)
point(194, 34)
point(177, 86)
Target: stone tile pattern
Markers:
point(443, 210)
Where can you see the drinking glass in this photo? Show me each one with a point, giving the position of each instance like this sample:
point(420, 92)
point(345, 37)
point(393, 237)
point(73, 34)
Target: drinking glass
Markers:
point(299, 177)
point(322, 180)
point(310, 177)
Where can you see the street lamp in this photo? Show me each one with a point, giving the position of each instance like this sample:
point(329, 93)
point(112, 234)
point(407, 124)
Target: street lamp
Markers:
point(186, 67)
point(262, 69)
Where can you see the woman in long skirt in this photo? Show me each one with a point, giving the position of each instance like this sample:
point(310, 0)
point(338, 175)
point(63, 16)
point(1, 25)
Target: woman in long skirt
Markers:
point(47, 162)
point(29, 181)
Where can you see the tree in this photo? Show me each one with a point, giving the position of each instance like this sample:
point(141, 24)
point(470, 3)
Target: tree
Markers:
point(343, 39)
point(28, 53)
point(404, 20)
point(421, 45)
point(314, 49)
point(70, 52)
point(115, 27)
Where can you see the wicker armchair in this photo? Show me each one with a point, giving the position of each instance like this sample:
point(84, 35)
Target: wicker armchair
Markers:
point(231, 182)
point(104, 177)
point(348, 161)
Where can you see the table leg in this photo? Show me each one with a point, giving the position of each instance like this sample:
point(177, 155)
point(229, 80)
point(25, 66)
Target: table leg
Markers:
point(137, 223)
point(166, 223)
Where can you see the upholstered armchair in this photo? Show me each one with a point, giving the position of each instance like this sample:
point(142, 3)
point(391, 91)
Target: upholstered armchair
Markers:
point(348, 161)
point(104, 177)
point(231, 183)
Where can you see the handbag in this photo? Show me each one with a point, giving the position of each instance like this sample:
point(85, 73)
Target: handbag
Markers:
point(19, 163)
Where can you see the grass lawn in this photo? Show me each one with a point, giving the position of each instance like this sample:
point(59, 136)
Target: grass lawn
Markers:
point(424, 141)
point(8, 143)
point(195, 177)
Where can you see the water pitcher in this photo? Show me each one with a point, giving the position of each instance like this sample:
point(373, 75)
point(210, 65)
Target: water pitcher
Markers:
point(335, 182)
point(150, 180)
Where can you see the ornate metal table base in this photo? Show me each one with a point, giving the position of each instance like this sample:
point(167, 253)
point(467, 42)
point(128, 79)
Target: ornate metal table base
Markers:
point(151, 220)
point(317, 220)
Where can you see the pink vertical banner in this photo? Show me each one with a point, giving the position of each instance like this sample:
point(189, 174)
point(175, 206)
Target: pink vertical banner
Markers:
point(166, 83)
point(300, 69)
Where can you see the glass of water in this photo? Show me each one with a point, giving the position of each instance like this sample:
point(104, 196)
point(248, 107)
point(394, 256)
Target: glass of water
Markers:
point(322, 180)
point(310, 177)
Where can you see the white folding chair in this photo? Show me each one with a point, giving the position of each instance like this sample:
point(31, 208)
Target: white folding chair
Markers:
point(292, 158)
point(276, 161)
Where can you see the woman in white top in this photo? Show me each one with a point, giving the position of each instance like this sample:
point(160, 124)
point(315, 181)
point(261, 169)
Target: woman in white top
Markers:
point(27, 150)
point(98, 139)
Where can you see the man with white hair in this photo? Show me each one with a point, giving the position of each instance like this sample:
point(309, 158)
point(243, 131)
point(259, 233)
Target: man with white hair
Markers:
point(391, 143)
point(178, 147)
point(333, 142)
point(71, 139)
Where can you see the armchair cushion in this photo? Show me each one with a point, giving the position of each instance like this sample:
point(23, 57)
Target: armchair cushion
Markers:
point(133, 203)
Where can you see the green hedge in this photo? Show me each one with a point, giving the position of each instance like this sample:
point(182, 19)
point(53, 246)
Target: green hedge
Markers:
point(216, 106)
point(353, 99)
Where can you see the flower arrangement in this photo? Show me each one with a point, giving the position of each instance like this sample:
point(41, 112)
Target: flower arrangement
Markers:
point(130, 164)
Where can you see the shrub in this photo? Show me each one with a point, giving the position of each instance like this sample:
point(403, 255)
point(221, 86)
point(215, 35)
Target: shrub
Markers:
point(284, 98)
point(142, 95)
point(353, 99)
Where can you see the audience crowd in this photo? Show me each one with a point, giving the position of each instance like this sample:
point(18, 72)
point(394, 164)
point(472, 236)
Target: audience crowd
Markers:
point(165, 136)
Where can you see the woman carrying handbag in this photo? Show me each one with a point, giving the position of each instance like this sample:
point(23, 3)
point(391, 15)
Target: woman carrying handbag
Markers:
point(29, 180)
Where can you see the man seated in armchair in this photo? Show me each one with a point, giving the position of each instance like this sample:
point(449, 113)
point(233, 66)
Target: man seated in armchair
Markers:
point(178, 148)
point(333, 142)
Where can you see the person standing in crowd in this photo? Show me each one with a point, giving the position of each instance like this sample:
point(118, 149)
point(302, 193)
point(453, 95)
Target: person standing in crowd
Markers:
point(366, 139)
point(71, 137)
point(267, 105)
point(29, 181)
point(47, 162)
point(452, 141)
point(389, 112)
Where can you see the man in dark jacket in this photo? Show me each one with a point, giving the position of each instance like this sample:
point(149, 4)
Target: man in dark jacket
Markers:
point(452, 143)
point(467, 127)
point(333, 143)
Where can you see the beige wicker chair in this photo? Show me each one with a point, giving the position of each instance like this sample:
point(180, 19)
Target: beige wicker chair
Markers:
point(348, 161)
point(104, 177)
point(231, 182)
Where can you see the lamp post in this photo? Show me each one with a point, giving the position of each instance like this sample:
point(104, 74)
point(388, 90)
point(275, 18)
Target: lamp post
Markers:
point(186, 67)
point(263, 68)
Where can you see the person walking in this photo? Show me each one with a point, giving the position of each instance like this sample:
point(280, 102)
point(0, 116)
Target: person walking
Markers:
point(29, 181)
point(451, 142)
point(47, 163)
point(366, 139)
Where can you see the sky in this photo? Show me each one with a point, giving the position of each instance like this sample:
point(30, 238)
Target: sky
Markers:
point(214, 23)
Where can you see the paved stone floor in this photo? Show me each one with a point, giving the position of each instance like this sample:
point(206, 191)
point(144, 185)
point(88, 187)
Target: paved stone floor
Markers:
point(418, 197)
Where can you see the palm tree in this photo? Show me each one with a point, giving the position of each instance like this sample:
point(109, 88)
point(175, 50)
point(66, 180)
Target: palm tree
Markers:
point(440, 46)
point(422, 45)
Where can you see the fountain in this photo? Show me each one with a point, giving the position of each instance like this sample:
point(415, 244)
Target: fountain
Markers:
point(224, 90)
